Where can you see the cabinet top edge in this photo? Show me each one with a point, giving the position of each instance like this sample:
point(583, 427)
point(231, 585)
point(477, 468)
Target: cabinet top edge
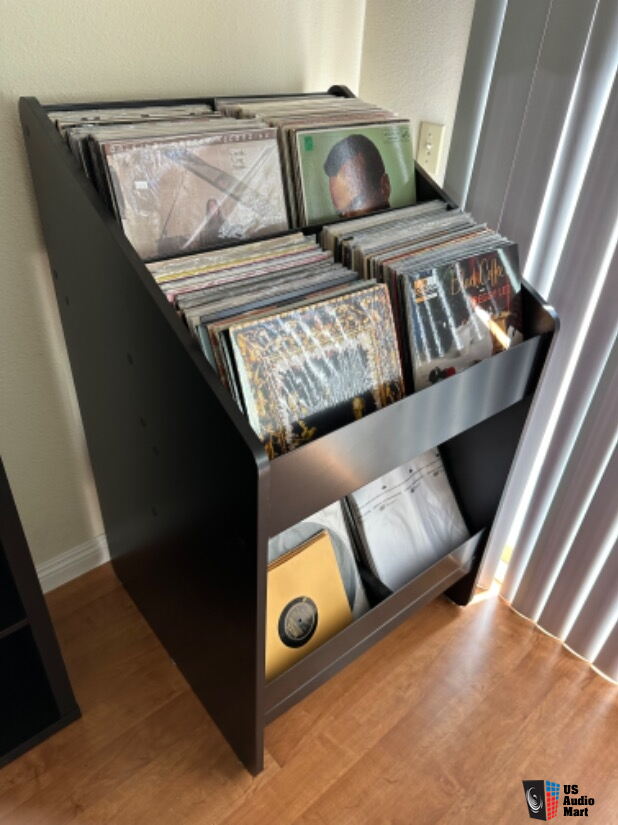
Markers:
point(337, 90)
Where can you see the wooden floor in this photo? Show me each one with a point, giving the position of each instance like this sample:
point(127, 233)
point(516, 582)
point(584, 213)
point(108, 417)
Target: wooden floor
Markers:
point(438, 724)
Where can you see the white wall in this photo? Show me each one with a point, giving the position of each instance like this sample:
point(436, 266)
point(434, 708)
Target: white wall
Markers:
point(64, 50)
point(413, 56)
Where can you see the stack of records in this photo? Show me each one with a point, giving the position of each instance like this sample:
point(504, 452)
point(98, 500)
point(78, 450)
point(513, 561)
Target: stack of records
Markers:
point(66, 119)
point(341, 157)
point(302, 333)
point(76, 126)
point(301, 342)
point(407, 520)
point(454, 285)
point(392, 529)
point(182, 184)
point(209, 288)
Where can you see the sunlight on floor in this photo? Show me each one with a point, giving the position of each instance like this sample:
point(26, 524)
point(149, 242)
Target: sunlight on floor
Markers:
point(483, 595)
point(494, 590)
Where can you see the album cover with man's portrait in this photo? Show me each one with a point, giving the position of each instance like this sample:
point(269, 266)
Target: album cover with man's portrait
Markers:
point(355, 170)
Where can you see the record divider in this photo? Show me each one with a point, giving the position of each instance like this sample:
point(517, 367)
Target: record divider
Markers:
point(187, 493)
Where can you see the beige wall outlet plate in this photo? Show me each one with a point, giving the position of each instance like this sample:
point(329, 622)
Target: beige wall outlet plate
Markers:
point(429, 151)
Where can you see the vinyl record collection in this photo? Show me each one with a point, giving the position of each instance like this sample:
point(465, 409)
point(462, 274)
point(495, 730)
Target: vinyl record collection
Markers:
point(197, 177)
point(454, 285)
point(184, 184)
point(303, 344)
point(391, 530)
point(340, 156)
point(312, 332)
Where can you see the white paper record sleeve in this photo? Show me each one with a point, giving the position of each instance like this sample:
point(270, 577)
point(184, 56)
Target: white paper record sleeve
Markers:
point(407, 519)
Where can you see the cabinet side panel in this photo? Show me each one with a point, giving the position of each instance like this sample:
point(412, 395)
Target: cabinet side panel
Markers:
point(478, 462)
point(181, 479)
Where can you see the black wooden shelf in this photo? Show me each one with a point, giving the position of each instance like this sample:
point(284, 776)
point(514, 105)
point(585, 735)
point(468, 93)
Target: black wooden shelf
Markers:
point(330, 657)
point(13, 628)
point(35, 695)
point(188, 496)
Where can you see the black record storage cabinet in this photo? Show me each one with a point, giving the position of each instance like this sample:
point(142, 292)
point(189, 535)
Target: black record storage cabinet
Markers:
point(188, 496)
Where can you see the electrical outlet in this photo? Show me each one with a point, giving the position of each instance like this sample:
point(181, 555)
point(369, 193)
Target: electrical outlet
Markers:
point(430, 139)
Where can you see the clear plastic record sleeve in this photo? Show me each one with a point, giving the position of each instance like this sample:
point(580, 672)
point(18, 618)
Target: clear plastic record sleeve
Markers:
point(213, 332)
point(308, 371)
point(179, 195)
point(462, 313)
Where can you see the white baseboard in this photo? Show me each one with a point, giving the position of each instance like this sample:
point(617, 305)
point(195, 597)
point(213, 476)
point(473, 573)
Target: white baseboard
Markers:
point(72, 563)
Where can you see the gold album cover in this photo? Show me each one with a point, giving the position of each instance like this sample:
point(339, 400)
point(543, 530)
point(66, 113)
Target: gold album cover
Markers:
point(306, 603)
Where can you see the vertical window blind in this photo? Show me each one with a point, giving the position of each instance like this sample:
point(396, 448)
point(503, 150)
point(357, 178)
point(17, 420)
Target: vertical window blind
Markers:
point(534, 154)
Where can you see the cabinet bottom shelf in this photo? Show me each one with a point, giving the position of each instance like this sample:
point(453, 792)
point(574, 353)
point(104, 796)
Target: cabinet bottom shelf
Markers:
point(39, 737)
point(316, 668)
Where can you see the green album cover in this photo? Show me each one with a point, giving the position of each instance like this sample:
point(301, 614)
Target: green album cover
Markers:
point(351, 171)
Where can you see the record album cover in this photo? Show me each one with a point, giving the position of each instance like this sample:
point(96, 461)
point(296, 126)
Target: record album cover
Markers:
point(306, 603)
point(462, 313)
point(308, 371)
point(178, 195)
point(347, 172)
